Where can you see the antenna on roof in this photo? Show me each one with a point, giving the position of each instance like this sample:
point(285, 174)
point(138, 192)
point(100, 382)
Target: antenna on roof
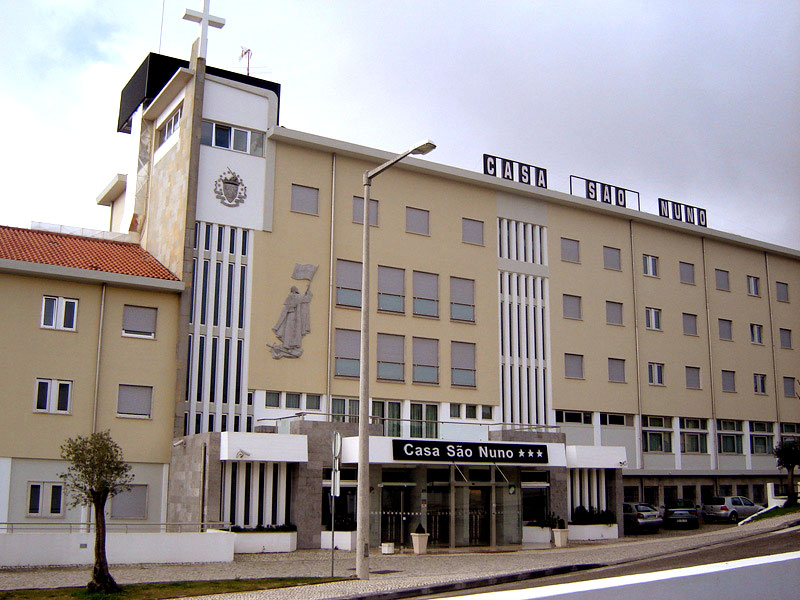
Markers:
point(248, 53)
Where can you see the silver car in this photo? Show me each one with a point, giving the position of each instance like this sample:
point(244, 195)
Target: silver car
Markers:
point(729, 508)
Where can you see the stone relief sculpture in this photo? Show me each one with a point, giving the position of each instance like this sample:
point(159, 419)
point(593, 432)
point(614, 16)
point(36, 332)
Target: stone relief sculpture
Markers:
point(295, 319)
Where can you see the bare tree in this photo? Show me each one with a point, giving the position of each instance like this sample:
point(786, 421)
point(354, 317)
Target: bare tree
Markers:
point(97, 472)
point(787, 453)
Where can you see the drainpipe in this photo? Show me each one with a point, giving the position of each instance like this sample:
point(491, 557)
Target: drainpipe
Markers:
point(97, 358)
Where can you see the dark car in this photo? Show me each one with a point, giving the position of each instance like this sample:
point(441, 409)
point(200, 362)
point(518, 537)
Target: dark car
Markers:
point(681, 513)
point(640, 517)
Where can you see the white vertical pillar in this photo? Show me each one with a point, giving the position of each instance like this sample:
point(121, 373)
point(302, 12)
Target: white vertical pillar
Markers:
point(521, 251)
point(597, 429)
point(548, 383)
point(537, 245)
point(545, 258)
point(281, 516)
point(576, 488)
point(504, 238)
point(248, 286)
point(514, 308)
point(602, 485)
point(253, 516)
point(512, 240)
point(569, 492)
point(240, 477)
point(223, 307)
point(535, 417)
point(525, 358)
point(585, 488)
point(637, 438)
point(506, 300)
point(540, 358)
point(226, 490)
point(234, 360)
point(529, 243)
point(676, 442)
point(593, 488)
point(748, 457)
point(712, 443)
point(269, 518)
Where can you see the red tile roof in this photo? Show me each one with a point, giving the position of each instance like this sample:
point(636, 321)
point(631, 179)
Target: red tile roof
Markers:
point(45, 247)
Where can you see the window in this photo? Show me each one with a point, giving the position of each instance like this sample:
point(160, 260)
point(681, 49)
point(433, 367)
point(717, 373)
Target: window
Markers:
point(424, 426)
point(729, 436)
point(426, 360)
point(486, 412)
point(59, 313)
point(273, 400)
point(573, 366)
point(417, 221)
point(655, 373)
point(613, 419)
point(170, 126)
point(656, 434)
point(759, 383)
point(232, 138)
point(686, 272)
point(358, 211)
point(693, 378)
point(570, 250)
point(616, 370)
point(312, 401)
point(652, 318)
point(725, 329)
point(650, 265)
point(790, 431)
point(612, 259)
point(573, 416)
point(756, 332)
point(338, 409)
point(347, 349)
point(613, 313)
point(722, 278)
point(130, 504)
point(462, 364)
point(728, 381)
point(305, 199)
point(139, 321)
point(455, 410)
point(426, 294)
point(462, 299)
point(752, 286)
point(53, 396)
point(472, 411)
point(391, 361)
point(788, 387)
point(782, 291)
point(45, 499)
point(134, 400)
point(693, 436)
point(391, 289)
point(786, 338)
point(348, 283)
point(292, 400)
point(689, 324)
point(572, 307)
point(472, 231)
point(761, 437)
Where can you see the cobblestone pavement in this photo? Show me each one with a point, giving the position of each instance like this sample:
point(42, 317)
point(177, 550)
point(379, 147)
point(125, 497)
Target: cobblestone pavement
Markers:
point(392, 573)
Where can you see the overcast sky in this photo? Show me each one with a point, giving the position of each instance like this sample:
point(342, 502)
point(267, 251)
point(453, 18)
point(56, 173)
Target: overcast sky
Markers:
point(697, 102)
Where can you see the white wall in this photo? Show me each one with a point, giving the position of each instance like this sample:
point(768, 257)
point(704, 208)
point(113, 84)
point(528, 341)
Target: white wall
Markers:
point(5, 488)
point(42, 549)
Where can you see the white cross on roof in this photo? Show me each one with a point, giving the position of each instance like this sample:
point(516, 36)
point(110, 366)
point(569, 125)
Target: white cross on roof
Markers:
point(205, 19)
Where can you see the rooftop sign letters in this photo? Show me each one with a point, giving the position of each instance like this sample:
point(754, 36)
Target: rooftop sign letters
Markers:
point(604, 192)
point(514, 171)
point(469, 452)
point(682, 212)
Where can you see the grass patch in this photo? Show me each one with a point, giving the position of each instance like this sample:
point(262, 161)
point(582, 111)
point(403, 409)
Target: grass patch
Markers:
point(174, 589)
point(777, 512)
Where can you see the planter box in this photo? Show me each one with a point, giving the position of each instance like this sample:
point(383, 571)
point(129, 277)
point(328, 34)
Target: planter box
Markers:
point(420, 543)
point(343, 540)
point(536, 535)
point(593, 532)
point(272, 541)
point(560, 537)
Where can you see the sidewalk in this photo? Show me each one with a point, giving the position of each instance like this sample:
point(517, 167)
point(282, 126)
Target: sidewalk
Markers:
point(394, 576)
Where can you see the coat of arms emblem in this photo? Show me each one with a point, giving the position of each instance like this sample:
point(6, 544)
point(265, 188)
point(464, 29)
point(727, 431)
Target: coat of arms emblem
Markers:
point(230, 189)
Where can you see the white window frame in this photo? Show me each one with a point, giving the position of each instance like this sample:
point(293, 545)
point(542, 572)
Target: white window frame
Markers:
point(651, 429)
point(759, 383)
point(170, 126)
point(45, 495)
point(52, 396)
point(59, 312)
point(652, 318)
point(250, 141)
point(757, 334)
point(125, 415)
point(753, 285)
point(695, 429)
point(655, 373)
point(650, 265)
point(139, 334)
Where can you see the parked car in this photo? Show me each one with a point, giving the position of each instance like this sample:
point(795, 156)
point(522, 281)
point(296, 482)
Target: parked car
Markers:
point(681, 513)
point(729, 508)
point(640, 517)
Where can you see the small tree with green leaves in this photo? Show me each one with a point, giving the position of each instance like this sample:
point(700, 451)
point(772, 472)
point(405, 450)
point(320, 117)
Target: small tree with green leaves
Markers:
point(787, 453)
point(97, 472)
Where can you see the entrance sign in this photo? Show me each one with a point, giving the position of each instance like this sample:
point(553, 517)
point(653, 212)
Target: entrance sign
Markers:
point(605, 192)
point(682, 212)
point(514, 171)
point(469, 452)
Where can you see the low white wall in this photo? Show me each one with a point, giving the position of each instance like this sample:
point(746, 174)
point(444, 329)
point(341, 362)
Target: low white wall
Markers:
point(343, 540)
point(765, 577)
point(53, 549)
point(536, 535)
point(257, 543)
point(593, 532)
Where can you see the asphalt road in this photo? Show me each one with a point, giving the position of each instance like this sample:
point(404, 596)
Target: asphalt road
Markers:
point(786, 540)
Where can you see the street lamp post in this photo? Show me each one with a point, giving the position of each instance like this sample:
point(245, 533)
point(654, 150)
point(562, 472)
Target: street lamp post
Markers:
point(362, 499)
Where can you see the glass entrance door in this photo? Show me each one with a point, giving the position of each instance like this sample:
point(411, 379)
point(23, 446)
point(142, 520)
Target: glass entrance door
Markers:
point(479, 523)
point(394, 505)
point(439, 515)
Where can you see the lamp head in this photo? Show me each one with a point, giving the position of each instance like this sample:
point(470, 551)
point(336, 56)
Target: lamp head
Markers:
point(423, 147)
